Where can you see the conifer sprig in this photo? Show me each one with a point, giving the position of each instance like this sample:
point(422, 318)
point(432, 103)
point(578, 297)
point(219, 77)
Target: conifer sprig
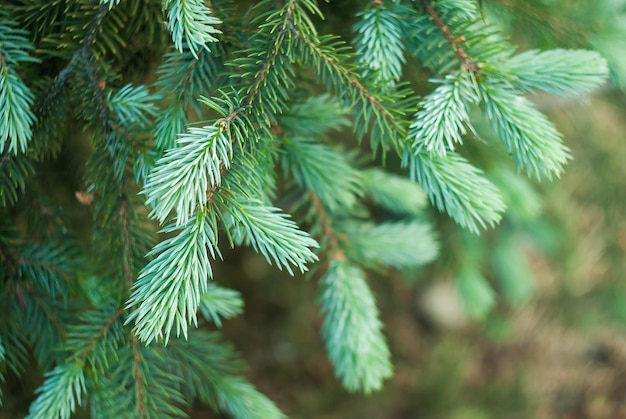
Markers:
point(379, 43)
point(191, 24)
point(210, 376)
point(457, 187)
point(394, 193)
point(271, 233)
point(61, 393)
point(16, 99)
point(183, 78)
point(402, 244)
point(183, 177)
point(173, 282)
point(219, 303)
point(442, 121)
point(528, 136)
point(381, 115)
point(325, 172)
point(559, 72)
point(352, 329)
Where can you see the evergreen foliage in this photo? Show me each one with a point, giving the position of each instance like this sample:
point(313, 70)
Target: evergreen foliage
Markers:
point(236, 140)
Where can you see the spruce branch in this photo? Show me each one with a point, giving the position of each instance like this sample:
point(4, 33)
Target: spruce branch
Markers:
point(268, 71)
point(168, 291)
point(527, 134)
point(559, 72)
point(191, 24)
point(95, 337)
point(219, 303)
point(42, 320)
point(219, 178)
point(184, 176)
point(17, 352)
point(456, 42)
point(14, 169)
point(384, 113)
point(270, 232)
point(121, 229)
point(379, 43)
point(243, 401)
point(321, 170)
point(401, 244)
point(315, 116)
point(141, 384)
point(444, 114)
point(90, 342)
point(184, 78)
point(211, 149)
point(457, 187)
point(210, 377)
point(82, 53)
point(48, 267)
point(132, 106)
point(352, 329)
point(60, 394)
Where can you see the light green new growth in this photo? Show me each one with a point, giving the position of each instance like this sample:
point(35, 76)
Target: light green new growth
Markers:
point(182, 178)
point(271, 233)
point(191, 24)
point(444, 116)
point(528, 136)
point(402, 245)
point(457, 187)
point(60, 394)
point(169, 289)
point(16, 99)
point(560, 72)
point(352, 329)
point(324, 171)
point(379, 43)
point(395, 193)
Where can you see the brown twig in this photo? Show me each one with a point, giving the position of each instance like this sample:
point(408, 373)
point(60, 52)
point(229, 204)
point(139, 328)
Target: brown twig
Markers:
point(138, 378)
point(335, 250)
point(103, 330)
point(455, 42)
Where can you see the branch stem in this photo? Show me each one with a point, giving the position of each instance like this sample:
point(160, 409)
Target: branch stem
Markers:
point(455, 42)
